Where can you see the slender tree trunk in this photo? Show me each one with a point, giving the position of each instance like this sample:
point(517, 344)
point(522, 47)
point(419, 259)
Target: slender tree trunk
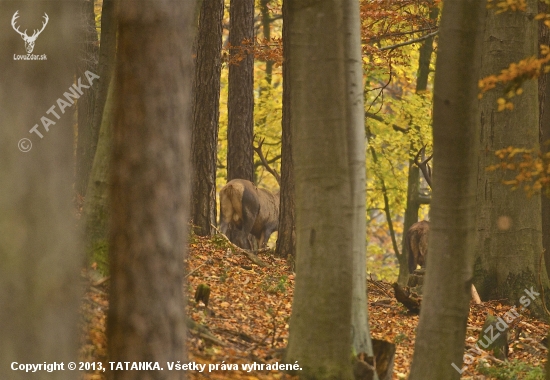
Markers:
point(329, 158)
point(96, 206)
point(151, 176)
point(266, 31)
point(413, 204)
point(106, 62)
point(425, 56)
point(39, 255)
point(411, 217)
point(445, 305)
point(87, 134)
point(206, 105)
point(240, 102)
point(509, 242)
point(286, 237)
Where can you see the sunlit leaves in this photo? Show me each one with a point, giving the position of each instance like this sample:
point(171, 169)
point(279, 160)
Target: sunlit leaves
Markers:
point(529, 169)
point(507, 5)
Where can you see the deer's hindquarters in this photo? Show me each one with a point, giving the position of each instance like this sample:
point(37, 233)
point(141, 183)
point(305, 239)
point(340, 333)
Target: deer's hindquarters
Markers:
point(244, 210)
point(417, 244)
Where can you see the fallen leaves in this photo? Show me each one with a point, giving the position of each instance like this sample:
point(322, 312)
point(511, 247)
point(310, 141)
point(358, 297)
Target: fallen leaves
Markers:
point(247, 319)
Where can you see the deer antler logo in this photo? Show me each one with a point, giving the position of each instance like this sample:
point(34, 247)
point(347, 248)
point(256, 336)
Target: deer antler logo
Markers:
point(29, 40)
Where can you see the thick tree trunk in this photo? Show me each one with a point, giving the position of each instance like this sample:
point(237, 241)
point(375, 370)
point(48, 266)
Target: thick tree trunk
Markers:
point(445, 305)
point(286, 237)
point(206, 105)
point(87, 132)
point(509, 241)
point(240, 102)
point(151, 176)
point(40, 259)
point(96, 206)
point(544, 130)
point(329, 159)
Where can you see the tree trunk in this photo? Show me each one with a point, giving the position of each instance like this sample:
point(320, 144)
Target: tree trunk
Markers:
point(286, 237)
point(40, 258)
point(151, 176)
point(329, 160)
point(544, 130)
point(425, 56)
point(206, 109)
point(413, 204)
point(411, 217)
point(240, 102)
point(105, 66)
point(509, 241)
point(96, 206)
point(266, 31)
point(87, 133)
point(445, 305)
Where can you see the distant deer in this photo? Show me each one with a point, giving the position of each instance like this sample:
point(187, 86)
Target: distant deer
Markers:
point(416, 239)
point(246, 209)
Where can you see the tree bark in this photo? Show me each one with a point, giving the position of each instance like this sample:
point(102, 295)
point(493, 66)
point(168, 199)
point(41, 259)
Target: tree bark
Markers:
point(445, 305)
point(240, 102)
point(329, 161)
point(87, 132)
point(413, 204)
point(106, 62)
point(286, 237)
point(266, 31)
point(96, 206)
point(40, 258)
point(509, 241)
point(206, 105)
point(544, 128)
point(151, 176)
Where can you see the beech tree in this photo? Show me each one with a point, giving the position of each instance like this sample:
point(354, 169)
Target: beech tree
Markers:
point(40, 270)
point(509, 240)
point(441, 333)
point(240, 102)
point(151, 176)
point(329, 161)
point(206, 110)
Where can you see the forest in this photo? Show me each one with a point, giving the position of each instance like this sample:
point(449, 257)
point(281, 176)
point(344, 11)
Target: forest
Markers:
point(249, 189)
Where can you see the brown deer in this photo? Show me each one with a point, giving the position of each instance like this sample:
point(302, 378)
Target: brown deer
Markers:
point(246, 209)
point(416, 239)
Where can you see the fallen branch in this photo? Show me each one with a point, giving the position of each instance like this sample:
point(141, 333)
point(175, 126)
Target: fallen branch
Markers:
point(202, 332)
point(248, 254)
point(194, 270)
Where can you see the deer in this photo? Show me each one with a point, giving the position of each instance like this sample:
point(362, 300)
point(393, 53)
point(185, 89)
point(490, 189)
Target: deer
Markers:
point(416, 238)
point(246, 209)
point(29, 40)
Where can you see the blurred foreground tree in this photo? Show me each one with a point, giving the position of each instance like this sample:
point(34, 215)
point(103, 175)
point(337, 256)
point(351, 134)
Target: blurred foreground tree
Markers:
point(151, 176)
point(40, 270)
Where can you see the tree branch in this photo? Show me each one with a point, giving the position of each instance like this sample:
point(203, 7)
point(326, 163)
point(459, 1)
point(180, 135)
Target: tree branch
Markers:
point(409, 42)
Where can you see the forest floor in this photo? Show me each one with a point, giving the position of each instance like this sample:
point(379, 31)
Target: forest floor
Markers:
point(248, 314)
